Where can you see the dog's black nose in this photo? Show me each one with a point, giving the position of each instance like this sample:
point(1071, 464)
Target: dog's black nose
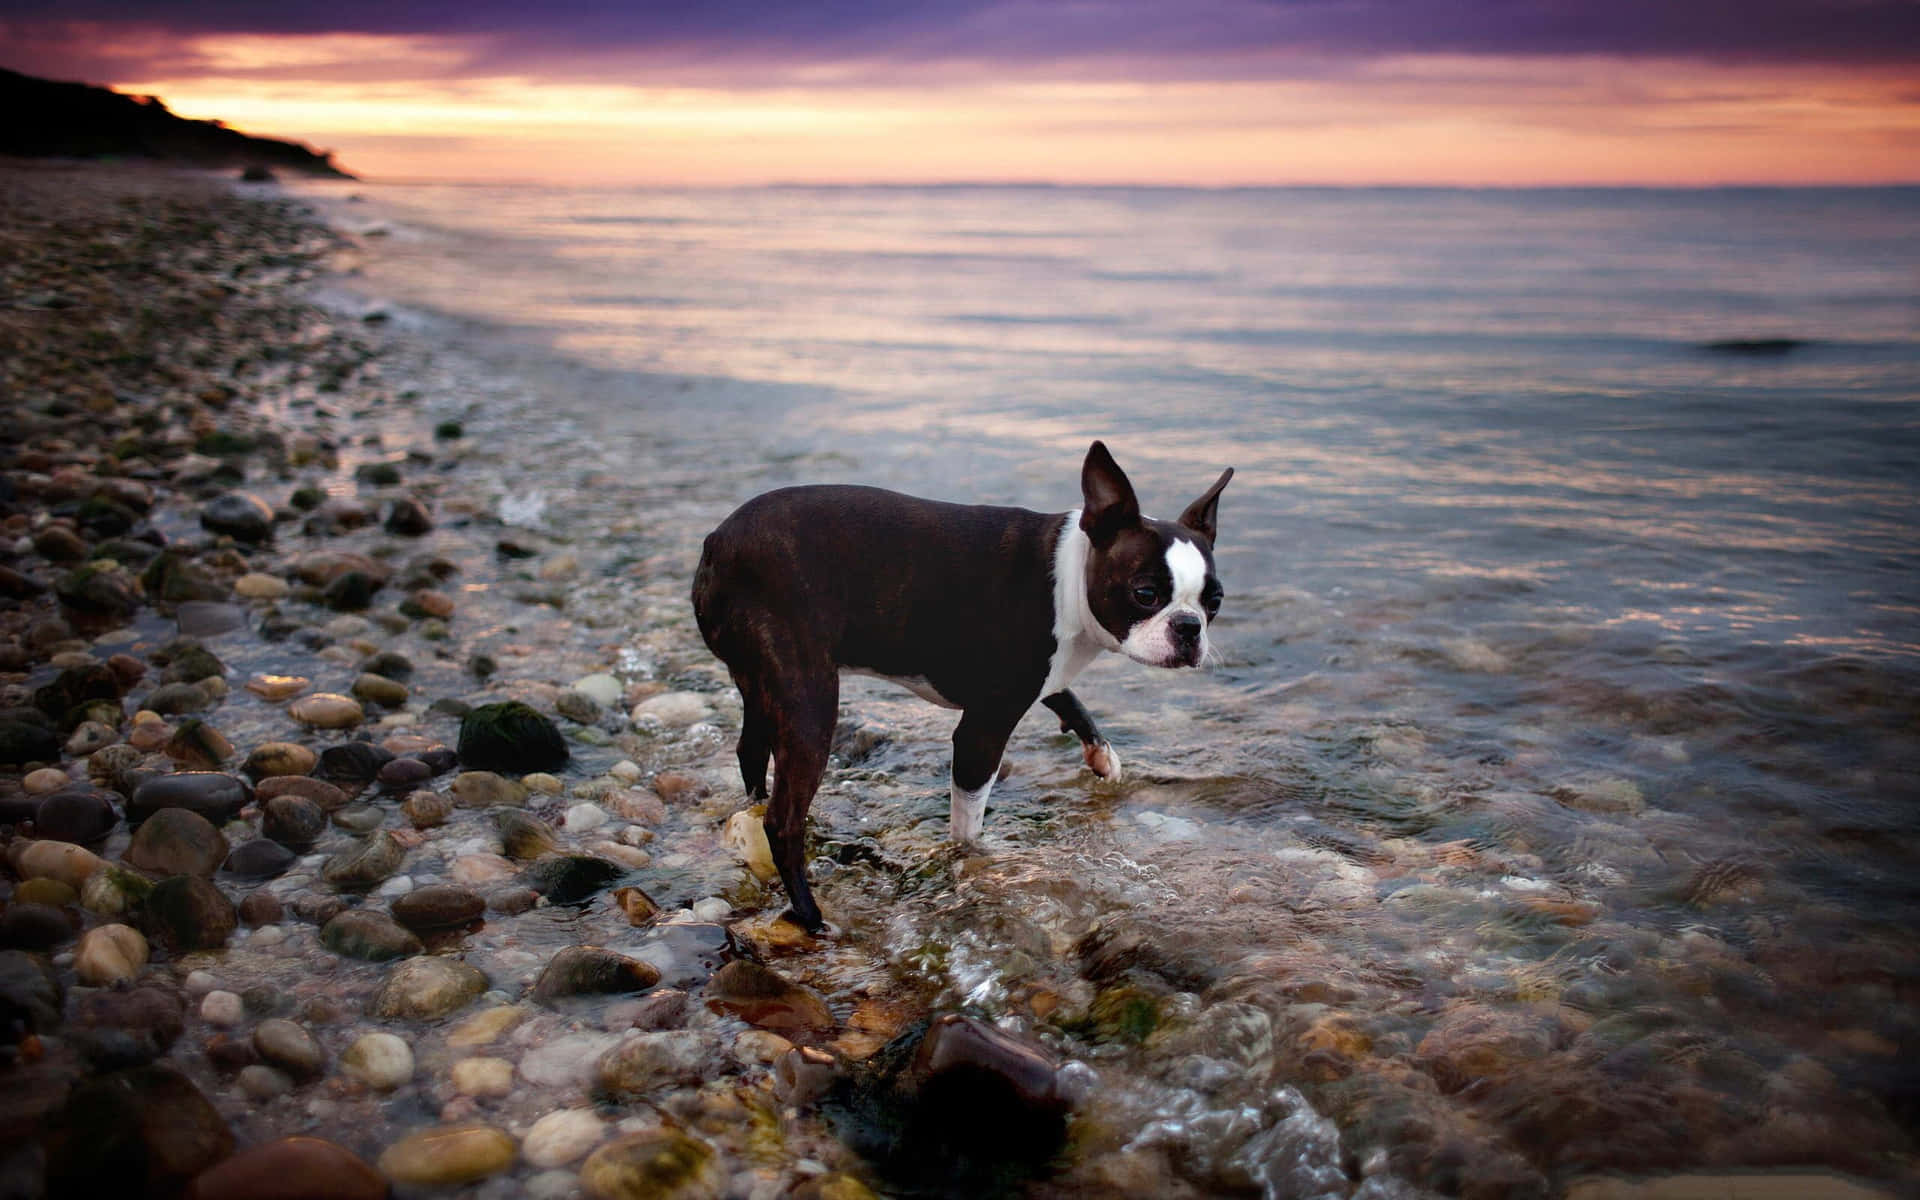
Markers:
point(1185, 627)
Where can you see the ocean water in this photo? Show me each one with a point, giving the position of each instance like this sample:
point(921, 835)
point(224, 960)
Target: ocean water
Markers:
point(1558, 791)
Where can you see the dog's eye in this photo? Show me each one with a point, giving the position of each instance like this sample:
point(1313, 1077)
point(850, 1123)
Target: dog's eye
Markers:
point(1211, 597)
point(1146, 595)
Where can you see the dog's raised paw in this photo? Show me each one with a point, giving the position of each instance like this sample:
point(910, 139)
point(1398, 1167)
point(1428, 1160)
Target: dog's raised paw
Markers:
point(1102, 759)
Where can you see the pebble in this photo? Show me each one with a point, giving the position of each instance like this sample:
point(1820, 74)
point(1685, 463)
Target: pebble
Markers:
point(481, 869)
point(671, 710)
point(109, 954)
point(371, 936)
point(327, 710)
point(255, 585)
point(366, 864)
point(647, 1061)
point(566, 1061)
point(426, 810)
point(279, 758)
point(560, 1137)
point(485, 789)
point(584, 818)
point(293, 1168)
point(328, 796)
point(382, 1061)
point(759, 1046)
point(177, 841)
point(263, 1083)
point(590, 970)
point(189, 913)
point(292, 820)
point(426, 988)
point(482, 1077)
point(601, 688)
point(448, 1155)
point(44, 781)
point(656, 1164)
point(276, 688)
point(377, 689)
point(284, 1044)
point(438, 906)
point(261, 907)
point(765, 998)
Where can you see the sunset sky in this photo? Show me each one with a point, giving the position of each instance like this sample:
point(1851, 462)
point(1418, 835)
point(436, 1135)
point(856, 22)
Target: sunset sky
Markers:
point(1209, 92)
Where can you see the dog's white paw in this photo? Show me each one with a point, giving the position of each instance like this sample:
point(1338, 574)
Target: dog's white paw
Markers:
point(1103, 760)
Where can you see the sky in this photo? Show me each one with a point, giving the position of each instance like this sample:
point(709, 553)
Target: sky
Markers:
point(1190, 92)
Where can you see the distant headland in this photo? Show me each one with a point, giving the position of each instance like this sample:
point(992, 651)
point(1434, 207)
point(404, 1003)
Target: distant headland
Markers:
point(78, 120)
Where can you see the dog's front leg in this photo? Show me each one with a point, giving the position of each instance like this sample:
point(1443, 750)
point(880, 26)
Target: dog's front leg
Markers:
point(1098, 752)
point(978, 744)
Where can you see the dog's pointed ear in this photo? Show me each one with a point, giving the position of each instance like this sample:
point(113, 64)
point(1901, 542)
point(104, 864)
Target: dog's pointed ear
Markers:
point(1110, 503)
point(1202, 514)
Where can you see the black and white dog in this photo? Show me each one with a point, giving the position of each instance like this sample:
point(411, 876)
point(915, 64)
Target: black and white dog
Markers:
point(977, 608)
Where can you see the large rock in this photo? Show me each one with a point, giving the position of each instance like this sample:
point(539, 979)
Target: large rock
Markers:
point(213, 794)
point(372, 936)
point(146, 1131)
point(766, 998)
point(641, 1064)
point(177, 841)
point(590, 970)
point(655, 1164)
point(512, 737)
point(294, 1168)
point(78, 814)
point(571, 878)
point(438, 906)
point(294, 821)
point(30, 993)
point(187, 912)
point(366, 864)
point(239, 515)
point(427, 988)
point(448, 1155)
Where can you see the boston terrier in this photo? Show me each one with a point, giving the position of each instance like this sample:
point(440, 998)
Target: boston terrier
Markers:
point(976, 608)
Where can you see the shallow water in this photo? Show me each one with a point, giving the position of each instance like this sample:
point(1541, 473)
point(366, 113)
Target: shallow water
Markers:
point(1552, 807)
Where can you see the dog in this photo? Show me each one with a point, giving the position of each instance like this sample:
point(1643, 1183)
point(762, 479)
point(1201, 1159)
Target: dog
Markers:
point(976, 608)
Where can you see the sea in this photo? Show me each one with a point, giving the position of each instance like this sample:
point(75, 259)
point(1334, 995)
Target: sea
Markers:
point(1554, 803)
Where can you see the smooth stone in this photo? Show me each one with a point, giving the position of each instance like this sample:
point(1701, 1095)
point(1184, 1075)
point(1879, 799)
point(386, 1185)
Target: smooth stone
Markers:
point(448, 1155)
point(188, 913)
point(577, 707)
point(260, 906)
point(198, 746)
point(279, 758)
point(371, 936)
point(328, 796)
point(569, 1061)
point(672, 710)
point(426, 810)
point(438, 906)
point(34, 927)
point(480, 869)
point(282, 1043)
point(482, 1077)
point(486, 789)
point(403, 773)
point(90, 737)
point(77, 814)
point(765, 998)
point(177, 841)
point(562, 1136)
point(109, 954)
point(646, 1061)
point(50, 892)
point(177, 699)
point(255, 585)
point(760, 1047)
point(510, 736)
point(360, 819)
point(590, 970)
point(114, 891)
point(45, 781)
point(542, 784)
point(125, 1026)
point(377, 689)
point(365, 865)
point(640, 908)
point(327, 710)
point(258, 858)
point(263, 1082)
point(215, 795)
point(657, 1164)
point(70, 864)
point(382, 1061)
point(601, 688)
point(292, 820)
point(240, 515)
point(425, 988)
point(275, 688)
point(222, 1008)
point(585, 818)
point(487, 1026)
point(292, 1168)
point(523, 835)
point(144, 1131)
point(570, 878)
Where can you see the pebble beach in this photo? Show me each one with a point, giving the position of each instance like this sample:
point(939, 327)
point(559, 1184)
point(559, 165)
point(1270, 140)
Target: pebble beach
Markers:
point(374, 829)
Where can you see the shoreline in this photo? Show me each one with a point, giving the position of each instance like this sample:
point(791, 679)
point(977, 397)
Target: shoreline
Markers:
point(612, 530)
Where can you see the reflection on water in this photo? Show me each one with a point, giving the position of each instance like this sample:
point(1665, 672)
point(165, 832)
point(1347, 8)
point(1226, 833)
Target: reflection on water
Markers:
point(1552, 809)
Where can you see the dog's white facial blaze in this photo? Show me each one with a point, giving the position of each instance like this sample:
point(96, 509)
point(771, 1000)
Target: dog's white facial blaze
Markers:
point(1152, 641)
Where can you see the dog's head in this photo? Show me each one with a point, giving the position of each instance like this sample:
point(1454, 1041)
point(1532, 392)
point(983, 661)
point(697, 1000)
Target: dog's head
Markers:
point(1150, 584)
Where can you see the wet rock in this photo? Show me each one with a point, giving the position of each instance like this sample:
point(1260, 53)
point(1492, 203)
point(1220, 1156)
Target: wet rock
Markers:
point(351, 591)
point(98, 597)
point(239, 515)
point(175, 699)
point(279, 758)
point(327, 710)
point(511, 901)
point(377, 689)
point(45, 891)
point(34, 927)
point(293, 821)
point(1472, 1044)
point(258, 859)
point(438, 906)
point(70, 864)
point(198, 746)
point(372, 936)
point(671, 710)
point(289, 1047)
point(187, 912)
point(367, 864)
point(427, 988)
point(255, 585)
point(426, 810)
point(640, 908)
point(262, 1083)
point(76, 814)
point(293, 1168)
point(43, 782)
point(58, 543)
point(603, 689)
point(639, 1064)
point(510, 736)
point(223, 1009)
point(408, 517)
point(570, 878)
point(659, 1164)
point(177, 841)
point(261, 907)
point(767, 999)
point(403, 774)
point(448, 1155)
point(76, 686)
point(590, 970)
point(390, 664)
point(523, 835)
point(145, 1131)
point(192, 663)
point(561, 1137)
point(89, 737)
point(28, 738)
point(803, 1075)
point(113, 891)
point(379, 1060)
point(328, 796)
point(577, 706)
point(352, 764)
point(276, 688)
point(483, 1076)
point(213, 794)
point(30, 994)
point(486, 1026)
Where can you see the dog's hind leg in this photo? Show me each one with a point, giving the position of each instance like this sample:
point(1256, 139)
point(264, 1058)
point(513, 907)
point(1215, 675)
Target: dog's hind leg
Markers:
point(755, 746)
point(1100, 756)
point(804, 705)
